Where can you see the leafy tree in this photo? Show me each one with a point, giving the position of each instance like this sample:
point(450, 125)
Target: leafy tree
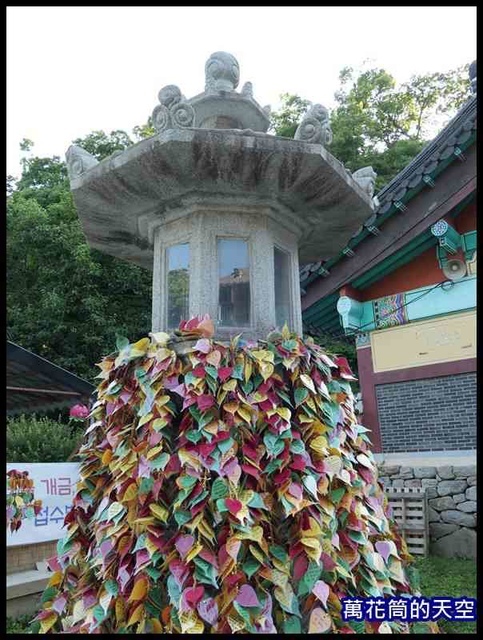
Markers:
point(376, 122)
point(286, 120)
point(66, 301)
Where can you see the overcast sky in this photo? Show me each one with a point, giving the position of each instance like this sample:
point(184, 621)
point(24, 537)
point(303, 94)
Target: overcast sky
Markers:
point(72, 70)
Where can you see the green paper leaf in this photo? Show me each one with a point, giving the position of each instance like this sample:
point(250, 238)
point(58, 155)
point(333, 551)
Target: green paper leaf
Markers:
point(300, 395)
point(257, 502)
point(292, 625)
point(121, 343)
point(278, 552)
point(145, 486)
point(49, 594)
point(337, 494)
point(297, 446)
point(211, 371)
point(219, 489)
point(160, 462)
point(250, 566)
point(194, 436)
point(182, 517)
point(225, 445)
point(187, 482)
point(220, 505)
point(272, 466)
point(237, 372)
point(112, 587)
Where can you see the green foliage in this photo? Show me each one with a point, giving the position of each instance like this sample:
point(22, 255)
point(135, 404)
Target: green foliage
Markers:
point(286, 120)
point(449, 577)
point(32, 439)
point(101, 145)
point(18, 625)
point(377, 122)
point(66, 301)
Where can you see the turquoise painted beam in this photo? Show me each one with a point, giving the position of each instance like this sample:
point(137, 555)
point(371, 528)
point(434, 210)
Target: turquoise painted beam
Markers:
point(419, 304)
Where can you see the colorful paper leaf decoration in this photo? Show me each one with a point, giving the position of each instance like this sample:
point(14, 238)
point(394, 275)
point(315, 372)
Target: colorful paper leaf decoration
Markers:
point(225, 489)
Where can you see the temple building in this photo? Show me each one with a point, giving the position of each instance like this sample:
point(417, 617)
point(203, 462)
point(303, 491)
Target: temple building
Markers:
point(405, 288)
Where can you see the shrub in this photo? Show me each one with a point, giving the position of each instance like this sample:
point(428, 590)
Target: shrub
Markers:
point(33, 439)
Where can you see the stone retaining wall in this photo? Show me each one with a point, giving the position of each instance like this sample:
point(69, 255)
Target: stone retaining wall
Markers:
point(451, 495)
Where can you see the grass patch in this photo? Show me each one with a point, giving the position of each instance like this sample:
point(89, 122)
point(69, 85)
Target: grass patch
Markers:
point(19, 625)
point(455, 577)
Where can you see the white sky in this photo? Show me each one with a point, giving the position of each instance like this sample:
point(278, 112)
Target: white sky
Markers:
point(72, 70)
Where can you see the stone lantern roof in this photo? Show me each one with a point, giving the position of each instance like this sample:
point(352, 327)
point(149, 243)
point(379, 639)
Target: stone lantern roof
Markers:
point(212, 171)
point(214, 147)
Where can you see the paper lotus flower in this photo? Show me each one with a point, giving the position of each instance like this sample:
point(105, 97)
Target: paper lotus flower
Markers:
point(79, 411)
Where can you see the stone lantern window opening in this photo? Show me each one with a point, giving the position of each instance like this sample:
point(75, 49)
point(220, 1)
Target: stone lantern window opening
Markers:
point(234, 291)
point(282, 279)
point(177, 283)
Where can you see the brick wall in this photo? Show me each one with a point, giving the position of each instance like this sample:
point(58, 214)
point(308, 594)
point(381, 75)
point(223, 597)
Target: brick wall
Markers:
point(24, 557)
point(430, 414)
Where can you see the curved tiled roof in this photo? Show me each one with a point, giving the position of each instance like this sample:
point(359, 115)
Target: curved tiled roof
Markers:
point(444, 148)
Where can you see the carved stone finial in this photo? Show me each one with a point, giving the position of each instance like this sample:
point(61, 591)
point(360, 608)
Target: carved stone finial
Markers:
point(247, 90)
point(78, 161)
point(315, 126)
point(173, 112)
point(170, 95)
point(366, 179)
point(222, 72)
point(268, 109)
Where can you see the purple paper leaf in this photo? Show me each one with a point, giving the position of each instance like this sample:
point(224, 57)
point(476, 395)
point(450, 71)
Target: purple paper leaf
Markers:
point(321, 590)
point(384, 548)
point(208, 610)
point(203, 345)
point(59, 603)
point(184, 544)
point(247, 597)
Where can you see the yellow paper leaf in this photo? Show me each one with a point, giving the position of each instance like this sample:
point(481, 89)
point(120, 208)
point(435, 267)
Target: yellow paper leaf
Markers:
point(248, 370)
point(140, 589)
point(230, 385)
point(160, 512)
point(48, 623)
point(256, 553)
point(263, 355)
point(194, 552)
point(152, 453)
point(236, 623)
point(160, 337)
point(120, 609)
point(320, 621)
point(106, 456)
point(266, 370)
point(156, 625)
point(284, 413)
point(319, 445)
point(56, 579)
point(136, 615)
point(140, 347)
point(307, 381)
point(246, 415)
point(231, 407)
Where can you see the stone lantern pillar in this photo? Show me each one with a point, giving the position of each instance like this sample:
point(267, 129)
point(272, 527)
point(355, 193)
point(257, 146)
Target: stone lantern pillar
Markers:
point(220, 210)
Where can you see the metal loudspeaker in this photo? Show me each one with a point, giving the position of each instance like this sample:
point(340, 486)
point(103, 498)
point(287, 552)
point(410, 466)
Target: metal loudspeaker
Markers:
point(454, 269)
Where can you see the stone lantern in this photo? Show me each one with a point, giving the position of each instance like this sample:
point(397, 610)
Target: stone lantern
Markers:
point(220, 210)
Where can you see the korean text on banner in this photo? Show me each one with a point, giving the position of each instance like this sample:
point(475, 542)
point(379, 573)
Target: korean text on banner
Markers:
point(54, 484)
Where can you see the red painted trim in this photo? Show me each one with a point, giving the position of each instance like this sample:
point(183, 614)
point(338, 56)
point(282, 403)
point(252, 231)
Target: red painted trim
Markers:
point(368, 391)
point(351, 292)
point(419, 373)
